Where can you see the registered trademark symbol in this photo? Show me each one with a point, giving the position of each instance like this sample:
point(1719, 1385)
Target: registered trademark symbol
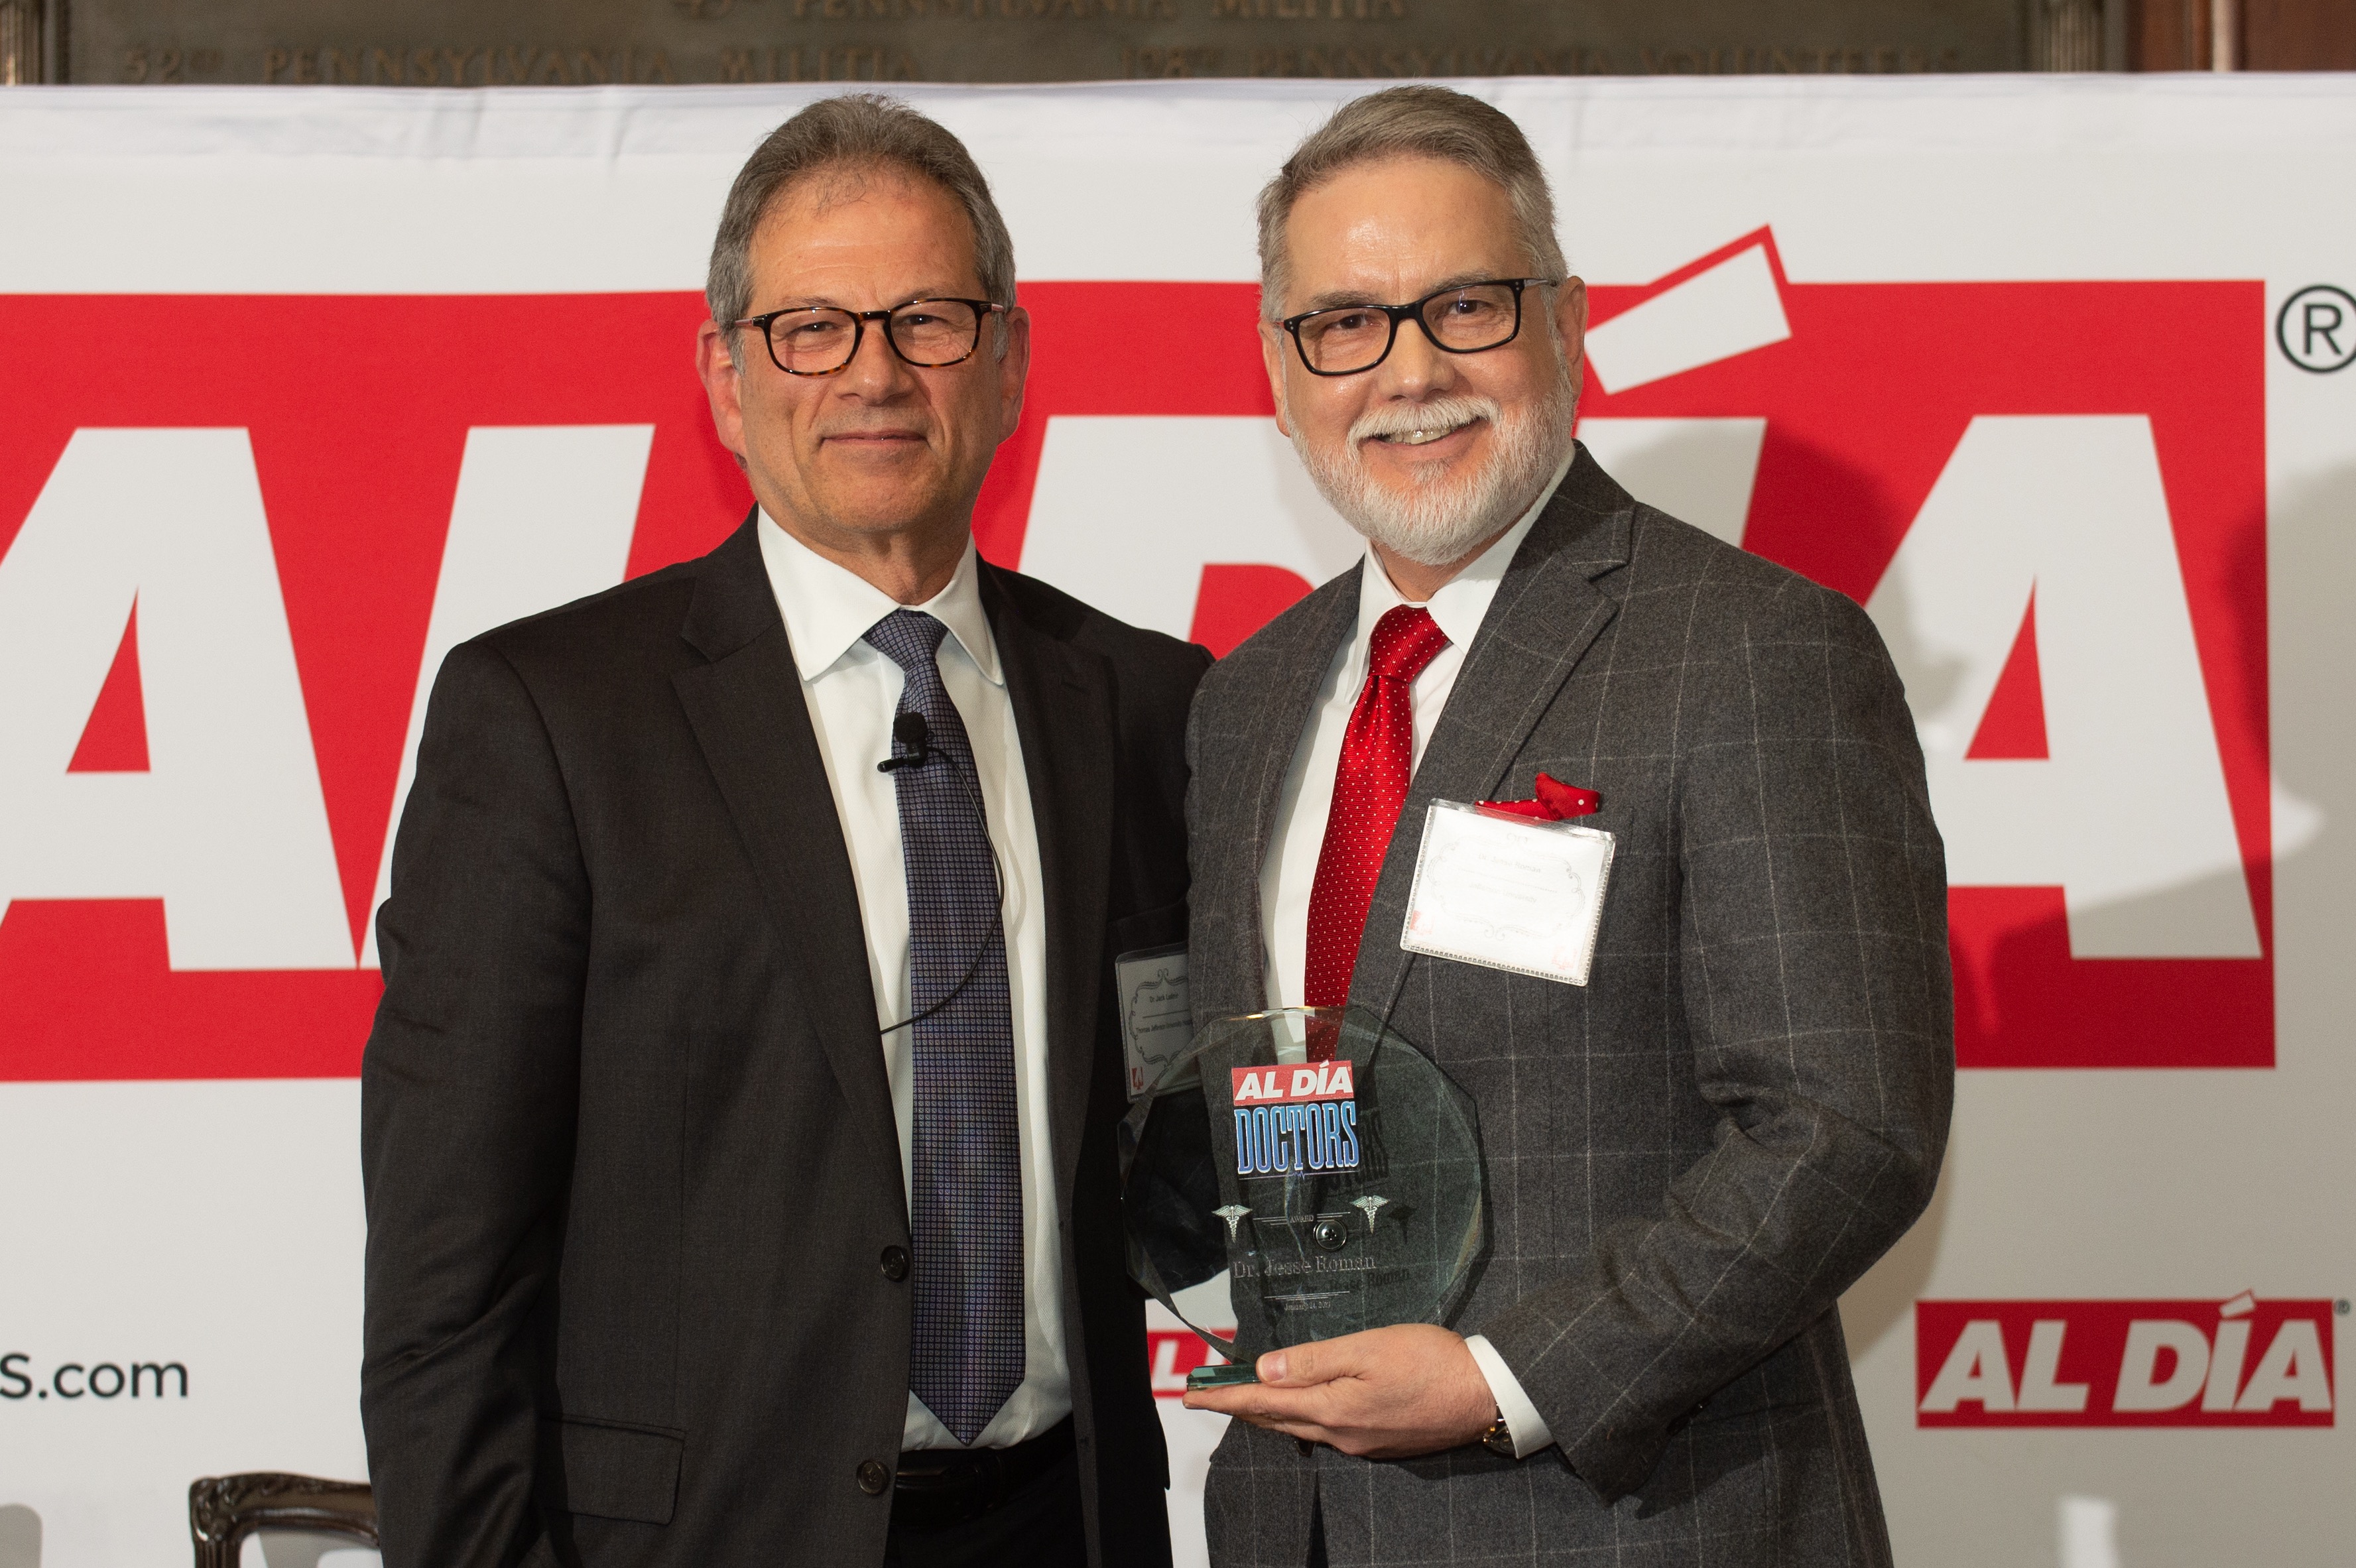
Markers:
point(2340, 1307)
point(2317, 328)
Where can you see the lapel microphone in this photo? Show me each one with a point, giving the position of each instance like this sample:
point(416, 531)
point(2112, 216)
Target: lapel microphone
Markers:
point(914, 737)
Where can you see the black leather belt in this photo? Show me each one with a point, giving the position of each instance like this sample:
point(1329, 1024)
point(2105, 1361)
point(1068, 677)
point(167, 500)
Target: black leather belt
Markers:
point(937, 1488)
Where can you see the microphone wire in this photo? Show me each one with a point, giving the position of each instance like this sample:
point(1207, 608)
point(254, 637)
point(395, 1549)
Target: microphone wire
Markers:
point(919, 738)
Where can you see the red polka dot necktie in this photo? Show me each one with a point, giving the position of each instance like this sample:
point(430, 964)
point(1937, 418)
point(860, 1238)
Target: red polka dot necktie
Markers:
point(1369, 787)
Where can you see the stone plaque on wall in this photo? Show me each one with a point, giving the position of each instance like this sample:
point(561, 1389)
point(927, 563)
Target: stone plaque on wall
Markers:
point(468, 43)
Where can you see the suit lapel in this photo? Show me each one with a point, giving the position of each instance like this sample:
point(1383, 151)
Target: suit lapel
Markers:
point(1287, 699)
point(1546, 613)
point(751, 720)
point(1062, 698)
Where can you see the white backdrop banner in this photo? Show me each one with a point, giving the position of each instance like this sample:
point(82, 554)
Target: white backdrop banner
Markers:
point(298, 388)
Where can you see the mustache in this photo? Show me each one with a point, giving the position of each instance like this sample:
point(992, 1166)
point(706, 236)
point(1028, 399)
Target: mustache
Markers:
point(1433, 514)
point(1445, 412)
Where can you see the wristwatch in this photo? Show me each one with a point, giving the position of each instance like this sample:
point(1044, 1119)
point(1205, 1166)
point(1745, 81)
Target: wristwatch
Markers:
point(1499, 1438)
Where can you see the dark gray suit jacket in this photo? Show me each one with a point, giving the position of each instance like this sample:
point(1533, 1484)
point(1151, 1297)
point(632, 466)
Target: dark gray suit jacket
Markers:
point(630, 1156)
point(1690, 1158)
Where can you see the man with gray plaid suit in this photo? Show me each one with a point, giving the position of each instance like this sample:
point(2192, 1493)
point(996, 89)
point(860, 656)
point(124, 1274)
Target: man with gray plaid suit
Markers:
point(1690, 1156)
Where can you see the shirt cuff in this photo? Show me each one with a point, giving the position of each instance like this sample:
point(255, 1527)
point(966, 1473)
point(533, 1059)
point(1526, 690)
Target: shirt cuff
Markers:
point(1522, 1419)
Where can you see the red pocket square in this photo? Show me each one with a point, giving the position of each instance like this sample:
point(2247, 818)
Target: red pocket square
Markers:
point(1556, 800)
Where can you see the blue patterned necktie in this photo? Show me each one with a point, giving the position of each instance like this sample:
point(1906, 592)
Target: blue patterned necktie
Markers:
point(965, 1197)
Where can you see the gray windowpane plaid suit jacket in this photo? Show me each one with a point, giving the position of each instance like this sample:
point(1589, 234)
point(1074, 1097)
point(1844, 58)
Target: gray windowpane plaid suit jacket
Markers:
point(1690, 1158)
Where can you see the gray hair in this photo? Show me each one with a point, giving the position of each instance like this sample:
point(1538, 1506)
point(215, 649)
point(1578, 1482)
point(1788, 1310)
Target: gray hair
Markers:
point(856, 131)
point(1409, 121)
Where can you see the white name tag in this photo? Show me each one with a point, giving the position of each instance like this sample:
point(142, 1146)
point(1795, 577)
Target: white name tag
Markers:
point(1508, 893)
point(1156, 1019)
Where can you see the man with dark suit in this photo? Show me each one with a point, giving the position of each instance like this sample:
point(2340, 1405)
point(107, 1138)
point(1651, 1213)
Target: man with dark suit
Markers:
point(737, 1124)
point(1690, 1155)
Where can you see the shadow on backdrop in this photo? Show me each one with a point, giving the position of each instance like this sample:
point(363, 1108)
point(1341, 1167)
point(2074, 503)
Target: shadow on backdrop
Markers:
point(20, 1537)
point(2311, 542)
point(1884, 1299)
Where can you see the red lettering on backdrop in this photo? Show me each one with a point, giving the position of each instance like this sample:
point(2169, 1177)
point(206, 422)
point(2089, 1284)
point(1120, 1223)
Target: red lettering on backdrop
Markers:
point(1864, 403)
point(358, 410)
point(115, 739)
point(2241, 1362)
point(1121, 349)
point(1233, 601)
point(2014, 725)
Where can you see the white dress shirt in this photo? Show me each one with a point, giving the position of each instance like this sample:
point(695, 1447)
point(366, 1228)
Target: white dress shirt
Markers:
point(852, 691)
point(1289, 872)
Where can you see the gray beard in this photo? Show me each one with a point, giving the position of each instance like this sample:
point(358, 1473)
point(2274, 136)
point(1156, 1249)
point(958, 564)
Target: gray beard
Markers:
point(1444, 516)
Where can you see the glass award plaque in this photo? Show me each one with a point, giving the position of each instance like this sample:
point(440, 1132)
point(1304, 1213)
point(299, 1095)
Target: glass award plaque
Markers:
point(1298, 1174)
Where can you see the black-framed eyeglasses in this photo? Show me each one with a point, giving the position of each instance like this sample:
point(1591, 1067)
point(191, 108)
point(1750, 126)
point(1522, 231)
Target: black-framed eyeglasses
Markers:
point(819, 340)
point(1464, 318)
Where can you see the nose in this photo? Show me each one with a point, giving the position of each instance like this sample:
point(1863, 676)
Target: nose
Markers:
point(875, 372)
point(1414, 368)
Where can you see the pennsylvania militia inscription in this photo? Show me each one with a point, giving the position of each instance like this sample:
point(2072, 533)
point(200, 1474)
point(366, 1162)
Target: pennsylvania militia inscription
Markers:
point(572, 43)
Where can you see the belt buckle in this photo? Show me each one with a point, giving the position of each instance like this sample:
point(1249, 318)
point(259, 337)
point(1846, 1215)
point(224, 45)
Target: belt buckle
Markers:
point(952, 1494)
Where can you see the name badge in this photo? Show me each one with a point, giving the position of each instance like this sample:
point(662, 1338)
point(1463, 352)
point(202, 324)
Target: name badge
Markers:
point(1508, 892)
point(1156, 1019)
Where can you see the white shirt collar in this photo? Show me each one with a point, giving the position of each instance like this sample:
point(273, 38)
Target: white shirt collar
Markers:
point(829, 608)
point(1460, 603)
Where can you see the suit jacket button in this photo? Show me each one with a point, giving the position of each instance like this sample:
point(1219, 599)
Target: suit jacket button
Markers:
point(895, 1262)
point(874, 1477)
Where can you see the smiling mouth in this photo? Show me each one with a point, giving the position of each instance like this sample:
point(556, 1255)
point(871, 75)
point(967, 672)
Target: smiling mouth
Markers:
point(1420, 437)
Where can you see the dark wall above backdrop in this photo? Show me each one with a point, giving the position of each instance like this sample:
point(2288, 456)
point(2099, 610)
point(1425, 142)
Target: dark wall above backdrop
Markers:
point(466, 43)
point(447, 42)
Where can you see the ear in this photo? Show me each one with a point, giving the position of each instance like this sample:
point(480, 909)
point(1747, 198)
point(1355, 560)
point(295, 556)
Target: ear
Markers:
point(1013, 370)
point(1272, 360)
point(723, 387)
point(1571, 324)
